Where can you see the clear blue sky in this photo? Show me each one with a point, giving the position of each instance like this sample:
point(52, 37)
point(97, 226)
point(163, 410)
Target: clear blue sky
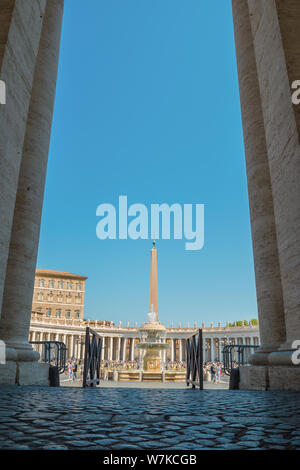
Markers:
point(147, 106)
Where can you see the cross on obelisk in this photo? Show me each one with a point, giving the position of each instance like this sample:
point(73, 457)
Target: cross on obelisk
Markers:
point(153, 303)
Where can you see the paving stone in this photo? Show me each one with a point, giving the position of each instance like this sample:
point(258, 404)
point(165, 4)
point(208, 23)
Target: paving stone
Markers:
point(70, 418)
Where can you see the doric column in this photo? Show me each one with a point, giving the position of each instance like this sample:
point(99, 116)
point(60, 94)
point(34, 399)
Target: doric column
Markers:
point(132, 349)
point(180, 350)
point(71, 346)
point(213, 349)
point(278, 66)
point(124, 349)
point(21, 263)
point(102, 349)
point(264, 238)
point(172, 349)
point(21, 25)
point(119, 349)
point(111, 343)
point(165, 352)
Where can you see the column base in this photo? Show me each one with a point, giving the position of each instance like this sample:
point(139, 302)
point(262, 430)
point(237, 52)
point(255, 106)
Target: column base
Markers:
point(271, 377)
point(20, 353)
point(24, 373)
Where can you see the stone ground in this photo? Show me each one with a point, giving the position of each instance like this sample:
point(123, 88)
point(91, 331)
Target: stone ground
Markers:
point(123, 418)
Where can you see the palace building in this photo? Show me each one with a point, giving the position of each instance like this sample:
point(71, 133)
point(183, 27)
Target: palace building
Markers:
point(58, 294)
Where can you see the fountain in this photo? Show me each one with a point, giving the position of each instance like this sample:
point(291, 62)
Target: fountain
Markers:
point(153, 336)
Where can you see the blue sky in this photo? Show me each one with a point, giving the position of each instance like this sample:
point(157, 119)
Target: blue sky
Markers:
point(147, 106)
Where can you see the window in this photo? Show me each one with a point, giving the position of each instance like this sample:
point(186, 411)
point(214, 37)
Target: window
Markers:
point(69, 299)
point(48, 312)
point(58, 313)
point(50, 297)
point(70, 285)
point(42, 283)
point(51, 284)
point(59, 297)
point(77, 314)
point(61, 284)
point(40, 297)
point(68, 313)
point(79, 286)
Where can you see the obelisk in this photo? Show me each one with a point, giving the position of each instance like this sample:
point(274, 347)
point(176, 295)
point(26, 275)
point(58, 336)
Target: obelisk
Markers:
point(153, 302)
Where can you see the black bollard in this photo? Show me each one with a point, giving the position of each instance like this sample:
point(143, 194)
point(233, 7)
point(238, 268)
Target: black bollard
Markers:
point(234, 379)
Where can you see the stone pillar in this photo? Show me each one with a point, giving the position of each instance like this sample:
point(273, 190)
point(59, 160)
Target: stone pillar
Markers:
point(132, 349)
point(180, 350)
point(124, 348)
point(263, 227)
point(111, 344)
point(71, 346)
point(278, 66)
point(172, 349)
point(25, 228)
point(79, 348)
point(102, 349)
point(21, 25)
point(164, 352)
point(213, 350)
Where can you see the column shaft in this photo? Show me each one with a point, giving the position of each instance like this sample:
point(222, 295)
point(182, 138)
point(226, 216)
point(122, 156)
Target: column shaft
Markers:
point(275, 24)
point(264, 238)
point(21, 26)
point(21, 264)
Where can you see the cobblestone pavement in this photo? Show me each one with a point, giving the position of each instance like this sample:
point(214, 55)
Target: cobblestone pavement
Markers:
point(120, 418)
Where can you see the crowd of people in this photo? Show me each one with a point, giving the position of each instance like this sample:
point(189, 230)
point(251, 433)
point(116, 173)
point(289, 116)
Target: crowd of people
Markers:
point(212, 371)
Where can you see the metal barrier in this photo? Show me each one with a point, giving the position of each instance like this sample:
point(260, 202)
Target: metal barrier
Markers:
point(92, 358)
point(53, 353)
point(194, 365)
point(235, 355)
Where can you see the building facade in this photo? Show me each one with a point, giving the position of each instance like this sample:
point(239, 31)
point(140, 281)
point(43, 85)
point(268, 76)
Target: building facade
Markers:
point(120, 341)
point(58, 294)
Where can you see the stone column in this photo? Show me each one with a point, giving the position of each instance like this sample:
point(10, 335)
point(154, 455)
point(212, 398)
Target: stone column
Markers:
point(21, 263)
point(119, 349)
point(111, 344)
point(277, 49)
point(264, 237)
point(172, 349)
point(124, 349)
point(213, 349)
point(180, 350)
point(102, 349)
point(71, 346)
point(132, 349)
point(21, 25)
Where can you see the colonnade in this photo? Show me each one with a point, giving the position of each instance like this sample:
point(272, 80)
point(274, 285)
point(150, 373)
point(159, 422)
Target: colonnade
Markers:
point(123, 347)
